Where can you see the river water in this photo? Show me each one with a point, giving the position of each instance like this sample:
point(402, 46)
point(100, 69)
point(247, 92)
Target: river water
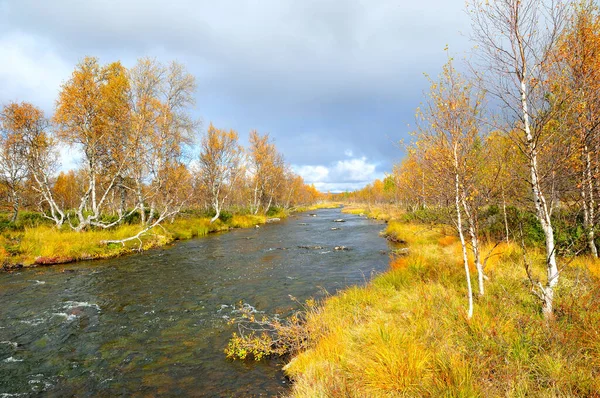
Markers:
point(156, 323)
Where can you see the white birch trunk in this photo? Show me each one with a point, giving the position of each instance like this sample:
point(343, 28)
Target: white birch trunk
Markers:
point(541, 208)
point(588, 201)
point(461, 236)
point(475, 244)
point(505, 215)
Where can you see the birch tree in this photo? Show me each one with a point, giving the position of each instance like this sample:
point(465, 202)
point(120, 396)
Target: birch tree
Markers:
point(577, 80)
point(267, 167)
point(516, 41)
point(13, 170)
point(36, 152)
point(448, 135)
point(93, 114)
point(147, 81)
point(220, 161)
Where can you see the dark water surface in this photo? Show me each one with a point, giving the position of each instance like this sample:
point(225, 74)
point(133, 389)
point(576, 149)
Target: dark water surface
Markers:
point(156, 323)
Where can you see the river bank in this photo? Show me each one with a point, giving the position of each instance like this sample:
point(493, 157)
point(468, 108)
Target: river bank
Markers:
point(45, 245)
point(156, 323)
point(407, 331)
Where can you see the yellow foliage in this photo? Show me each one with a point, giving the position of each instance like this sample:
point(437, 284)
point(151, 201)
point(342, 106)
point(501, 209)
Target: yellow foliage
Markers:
point(406, 333)
point(398, 263)
point(447, 240)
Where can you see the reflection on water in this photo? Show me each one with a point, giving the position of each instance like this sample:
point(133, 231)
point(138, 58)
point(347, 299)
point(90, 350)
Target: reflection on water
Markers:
point(156, 323)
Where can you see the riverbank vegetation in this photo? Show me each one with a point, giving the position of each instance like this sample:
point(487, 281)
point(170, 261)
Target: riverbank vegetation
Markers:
point(408, 332)
point(497, 291)
point(46, 245)
point(511, 152)
point(145, 168)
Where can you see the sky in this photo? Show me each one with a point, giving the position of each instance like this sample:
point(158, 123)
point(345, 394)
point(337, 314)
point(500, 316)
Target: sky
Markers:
point(334, 82)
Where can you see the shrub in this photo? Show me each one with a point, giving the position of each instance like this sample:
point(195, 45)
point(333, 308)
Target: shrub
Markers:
point(225, 216)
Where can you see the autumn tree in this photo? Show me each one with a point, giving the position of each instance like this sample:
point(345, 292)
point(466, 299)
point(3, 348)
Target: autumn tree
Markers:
point(577, 82)
point(93, 113)
point(220, 160)
point(35, 150)
point(13, 168)
point(410, 179)
point(66, 190)
point(502, 173)
point(449, 136)
point(267, 170)
point(516, 41)
point(161, 128)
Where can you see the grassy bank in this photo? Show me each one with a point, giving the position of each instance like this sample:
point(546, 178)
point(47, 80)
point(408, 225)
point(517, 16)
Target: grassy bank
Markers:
point(33, 241)
point(406, 333)
point(322, 205)
point(39, 245)
point(379, 212)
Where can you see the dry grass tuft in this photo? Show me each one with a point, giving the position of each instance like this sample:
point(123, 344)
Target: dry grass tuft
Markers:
point(407, 334)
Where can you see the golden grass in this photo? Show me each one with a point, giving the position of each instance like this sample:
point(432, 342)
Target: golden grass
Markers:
point(406, 333)
point(317, 206)
point(589, 263)
point(48, 245)
point(398, 262)
point(447, 240)
point(379, 212)
point(246, 220)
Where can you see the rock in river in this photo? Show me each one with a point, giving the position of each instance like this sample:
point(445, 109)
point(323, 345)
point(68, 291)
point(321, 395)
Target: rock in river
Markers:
point(341, 248)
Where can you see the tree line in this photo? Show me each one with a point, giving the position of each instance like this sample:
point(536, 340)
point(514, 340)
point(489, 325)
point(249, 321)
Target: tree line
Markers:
point(142, 156)
point(513, 141)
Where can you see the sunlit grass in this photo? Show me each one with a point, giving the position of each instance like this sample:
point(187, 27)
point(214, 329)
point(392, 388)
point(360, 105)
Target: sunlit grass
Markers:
point(45, 244)
point(246, 220)
point(381, 212)
point(67, 245)
point(407, 334)
point(317, 206)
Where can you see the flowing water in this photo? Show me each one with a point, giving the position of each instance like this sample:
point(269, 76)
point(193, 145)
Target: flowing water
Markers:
point(157, 323)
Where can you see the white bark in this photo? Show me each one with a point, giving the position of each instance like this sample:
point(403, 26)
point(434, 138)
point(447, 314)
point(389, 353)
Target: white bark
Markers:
point(474, 243)
point(461, 235)
point(587, 194)
point(541, 207)
point(505, 215)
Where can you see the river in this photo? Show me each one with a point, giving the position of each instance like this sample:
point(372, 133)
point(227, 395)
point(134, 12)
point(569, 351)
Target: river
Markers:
point(156, 323)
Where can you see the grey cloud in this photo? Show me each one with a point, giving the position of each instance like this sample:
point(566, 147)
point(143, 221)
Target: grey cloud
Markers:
point(319, 75)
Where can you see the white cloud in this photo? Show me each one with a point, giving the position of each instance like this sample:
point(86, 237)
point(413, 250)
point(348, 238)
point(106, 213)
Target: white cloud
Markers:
point(313, 173)
point(357, 169)
point(343, 175)
point(349, 153)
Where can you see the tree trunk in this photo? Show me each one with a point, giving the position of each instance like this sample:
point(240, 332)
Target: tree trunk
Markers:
point(588, 200)
point(15, 200)
point(475, 243)
point(217, 210)
point(505, 215)
point(463, 245)
point(123, 198)
point(541, 208)
point(255, 204)
point(269, 205)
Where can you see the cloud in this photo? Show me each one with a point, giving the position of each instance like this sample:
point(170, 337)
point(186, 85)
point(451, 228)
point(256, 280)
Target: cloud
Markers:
point(321, 76)
point(358, 170)
point(340, 176)
point(312, 174)
point(30, 70)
